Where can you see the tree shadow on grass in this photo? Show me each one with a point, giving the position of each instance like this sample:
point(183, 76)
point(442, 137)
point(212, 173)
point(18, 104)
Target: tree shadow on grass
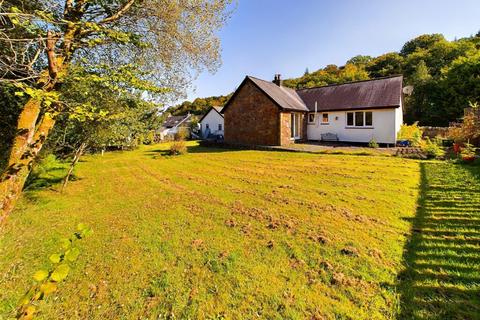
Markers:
point(191, 149)
point(442, 257)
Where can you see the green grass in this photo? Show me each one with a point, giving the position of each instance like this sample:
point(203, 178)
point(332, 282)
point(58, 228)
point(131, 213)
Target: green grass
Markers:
point(232, 234)
point(442, 278)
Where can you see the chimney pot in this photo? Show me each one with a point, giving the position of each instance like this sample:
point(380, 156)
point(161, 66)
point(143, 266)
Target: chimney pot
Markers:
point(277, 79)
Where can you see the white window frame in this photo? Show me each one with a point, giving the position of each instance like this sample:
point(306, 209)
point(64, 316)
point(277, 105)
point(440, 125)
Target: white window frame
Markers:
point(314, 118)
point(328, 118)
point(220, 127)
point(294, 116)
point(364, 115)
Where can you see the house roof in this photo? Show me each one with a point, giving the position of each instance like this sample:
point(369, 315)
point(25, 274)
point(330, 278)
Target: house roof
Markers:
point(368, 94)
point(215, 108)
point(173, 121)
point(286, 98)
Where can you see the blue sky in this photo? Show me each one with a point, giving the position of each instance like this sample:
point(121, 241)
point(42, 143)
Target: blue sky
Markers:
point(264, 37)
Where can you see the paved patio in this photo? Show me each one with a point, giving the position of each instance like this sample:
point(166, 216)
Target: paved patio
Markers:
point(334, 147)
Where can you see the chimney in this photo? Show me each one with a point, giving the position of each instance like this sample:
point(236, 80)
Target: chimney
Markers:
point(277, 80)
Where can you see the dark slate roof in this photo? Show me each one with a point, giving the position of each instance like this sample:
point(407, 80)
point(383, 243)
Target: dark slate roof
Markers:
point(172, 121)
point(286, 98)
point(377, 93)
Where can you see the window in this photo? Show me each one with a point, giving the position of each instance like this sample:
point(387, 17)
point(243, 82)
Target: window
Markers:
point(325, 118)
point(349, 118)
point(360, 119)
point(368, 119)
point(295, 126)
point(207, 126)
point(219, 127)
point(311, 118)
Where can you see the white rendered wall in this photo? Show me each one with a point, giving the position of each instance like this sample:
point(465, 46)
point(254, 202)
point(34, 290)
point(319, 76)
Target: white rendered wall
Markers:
point(386, 123)
point(213, 119)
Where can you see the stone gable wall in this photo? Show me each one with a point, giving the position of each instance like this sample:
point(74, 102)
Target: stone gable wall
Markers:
point(252, 118)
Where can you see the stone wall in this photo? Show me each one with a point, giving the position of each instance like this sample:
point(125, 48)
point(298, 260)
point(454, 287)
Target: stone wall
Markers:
point(252, 118)
point(285, 130)
point(433, 132)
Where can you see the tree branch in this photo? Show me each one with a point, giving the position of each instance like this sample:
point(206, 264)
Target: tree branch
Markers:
point(119, 13)
point(52, 61)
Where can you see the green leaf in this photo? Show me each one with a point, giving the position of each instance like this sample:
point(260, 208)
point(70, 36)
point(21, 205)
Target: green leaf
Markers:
point(60, 272)
point(40, 275)
point(19, 94)
point(48, 288)
point(65, 243)
point(72, 254)
point(86, 232)
point(55, 258)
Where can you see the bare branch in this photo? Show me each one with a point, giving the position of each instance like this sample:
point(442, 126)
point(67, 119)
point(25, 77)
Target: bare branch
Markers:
point(119, 13)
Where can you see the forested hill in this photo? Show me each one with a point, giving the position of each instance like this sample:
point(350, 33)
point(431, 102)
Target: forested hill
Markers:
point(445, 75)
point(199, 106)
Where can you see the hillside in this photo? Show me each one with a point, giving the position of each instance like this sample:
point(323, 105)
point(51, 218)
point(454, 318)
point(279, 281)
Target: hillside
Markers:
point(444, 74)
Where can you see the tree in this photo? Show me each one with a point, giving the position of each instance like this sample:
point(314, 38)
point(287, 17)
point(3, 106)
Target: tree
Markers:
point(360, 60)
point(10, 107)
point(385, 65)
point(424, 41)
point(142, 45)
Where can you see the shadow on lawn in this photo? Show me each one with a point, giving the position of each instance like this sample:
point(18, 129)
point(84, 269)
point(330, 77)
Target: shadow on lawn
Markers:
point(191, 149)
point(442, 257)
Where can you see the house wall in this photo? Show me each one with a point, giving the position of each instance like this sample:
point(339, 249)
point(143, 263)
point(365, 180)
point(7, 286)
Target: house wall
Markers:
point(213, 119)
point(386, 123)
point(252, 118)
point(285, 127)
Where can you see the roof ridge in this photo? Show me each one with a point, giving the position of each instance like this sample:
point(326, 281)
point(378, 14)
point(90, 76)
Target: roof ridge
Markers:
point(350, 82)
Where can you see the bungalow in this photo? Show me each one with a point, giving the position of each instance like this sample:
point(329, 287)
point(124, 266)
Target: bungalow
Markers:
point(212, 123)
point(172, 124)
point(267, 113)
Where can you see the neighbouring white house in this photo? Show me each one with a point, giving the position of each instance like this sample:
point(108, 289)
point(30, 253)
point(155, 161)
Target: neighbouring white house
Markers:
point(212, 123)
point(267, 113)
point(172, 124)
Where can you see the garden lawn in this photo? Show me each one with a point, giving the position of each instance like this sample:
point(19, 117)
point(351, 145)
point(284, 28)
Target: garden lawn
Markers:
point(442, 275)
point(223, 233)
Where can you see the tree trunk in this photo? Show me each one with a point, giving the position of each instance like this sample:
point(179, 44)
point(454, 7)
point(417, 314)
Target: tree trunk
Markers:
point(30, 135)
point(76, 157)
point(27, 145)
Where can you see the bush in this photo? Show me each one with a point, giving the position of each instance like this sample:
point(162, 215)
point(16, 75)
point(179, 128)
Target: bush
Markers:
point(469, 129)
point(432, 149)
point(412, 133)
point(373, 143)
point(177, 148)
point(182, 134)
point(468, 152)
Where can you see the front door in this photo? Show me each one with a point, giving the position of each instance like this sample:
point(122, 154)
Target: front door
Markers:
point(295, 122)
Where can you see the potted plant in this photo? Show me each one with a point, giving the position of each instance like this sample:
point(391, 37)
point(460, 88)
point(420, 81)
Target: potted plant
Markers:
point(468, 153)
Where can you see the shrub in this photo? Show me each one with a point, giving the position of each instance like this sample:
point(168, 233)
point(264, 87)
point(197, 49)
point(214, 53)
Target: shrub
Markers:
point(373, 143)
point(469, 129)
point(412, 133)
point(177, 148)
point(182, 134)
point(432, 149)
point(468, 152)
